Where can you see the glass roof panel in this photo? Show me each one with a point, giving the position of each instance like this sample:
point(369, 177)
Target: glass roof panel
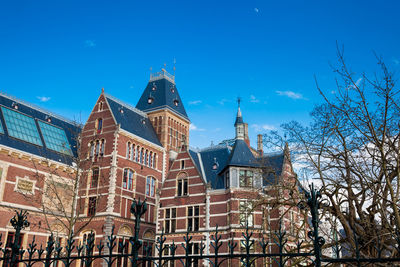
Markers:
point(21, 126)
point(55, 138)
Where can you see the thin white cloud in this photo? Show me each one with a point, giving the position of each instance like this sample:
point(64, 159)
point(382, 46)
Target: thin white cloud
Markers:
point(90, 43)
point(396, 61)
point(253, 99)
point(262, 127)
point(223, 101)
point(193, 127)
point(43, 98)
point(290, 94)
point(256, 10)
point(195, 102)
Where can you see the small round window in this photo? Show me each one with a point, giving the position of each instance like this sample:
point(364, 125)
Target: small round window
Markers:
point(150, 100)
point(176, 102)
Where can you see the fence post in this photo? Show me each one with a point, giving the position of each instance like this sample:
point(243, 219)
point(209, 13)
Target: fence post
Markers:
point(138, 209)
point(19, 222)
point(313, 201)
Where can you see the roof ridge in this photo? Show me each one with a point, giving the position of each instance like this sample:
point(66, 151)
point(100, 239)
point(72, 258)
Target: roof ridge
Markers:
point(210, 148)
point(126, 105)
point(40, 109)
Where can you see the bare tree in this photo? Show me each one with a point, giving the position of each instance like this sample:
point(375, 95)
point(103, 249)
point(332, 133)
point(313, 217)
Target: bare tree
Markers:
point(352, 148)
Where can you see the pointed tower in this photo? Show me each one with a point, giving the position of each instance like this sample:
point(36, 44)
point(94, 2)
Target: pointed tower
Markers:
point(164, 107)
point(241, 127)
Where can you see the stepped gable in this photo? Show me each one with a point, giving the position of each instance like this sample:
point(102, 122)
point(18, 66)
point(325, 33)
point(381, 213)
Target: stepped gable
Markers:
point(211, 161)
point(273, 165)
point(160, 93)
point(132, 120)
point(34, 142)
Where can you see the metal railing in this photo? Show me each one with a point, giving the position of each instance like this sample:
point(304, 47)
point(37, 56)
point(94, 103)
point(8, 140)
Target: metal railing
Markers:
point(274, 251)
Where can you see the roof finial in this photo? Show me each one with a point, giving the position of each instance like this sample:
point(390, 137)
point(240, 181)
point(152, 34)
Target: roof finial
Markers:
point(238, 100)
point(102, 90)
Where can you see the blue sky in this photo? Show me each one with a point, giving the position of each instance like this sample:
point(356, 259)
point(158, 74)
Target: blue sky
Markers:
point(59, 54)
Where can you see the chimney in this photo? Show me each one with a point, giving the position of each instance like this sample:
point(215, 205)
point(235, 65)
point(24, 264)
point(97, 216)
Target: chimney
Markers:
point(260, 144)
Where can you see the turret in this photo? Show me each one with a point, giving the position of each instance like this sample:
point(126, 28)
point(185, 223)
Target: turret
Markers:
point(241, 127)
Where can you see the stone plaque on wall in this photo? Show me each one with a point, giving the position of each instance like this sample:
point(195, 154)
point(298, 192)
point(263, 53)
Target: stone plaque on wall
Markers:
point(24, 185)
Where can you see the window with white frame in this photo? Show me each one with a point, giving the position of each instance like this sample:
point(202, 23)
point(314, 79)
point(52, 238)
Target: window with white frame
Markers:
point(170, 220)
point(245, 213)
point(182, 185)
point(150, 186)
point(127, 179)
point(227, 179)
point(246, 178)
point(193, 218)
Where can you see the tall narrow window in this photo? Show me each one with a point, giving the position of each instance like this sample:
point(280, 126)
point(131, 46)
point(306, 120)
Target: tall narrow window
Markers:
point(182, 164)
point(91, 149)
point(133, 152)
point(194, 249)
point(128, 150)
point(170, 220)
point(182, 189)
point(127, 180)
point(193, 218)
point(99, 125)
point(151, 159)
point(137, 154)
point(154, 160)
point(97, 148)
point(103, 145)
point(150, 186)
point(246, 178)
point(95, 177)
point(92, 206)
point(142, 156)
point(100, 106)
point(246, 213)
point(146, 159)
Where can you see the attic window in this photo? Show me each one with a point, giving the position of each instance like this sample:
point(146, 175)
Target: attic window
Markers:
point(121, 110)
point(215, 165)
point(173, 89)
point(150, 100)
point(14, 105)
point(48, 118)
point(143, 121)
point(154, 87)
point(176, 102)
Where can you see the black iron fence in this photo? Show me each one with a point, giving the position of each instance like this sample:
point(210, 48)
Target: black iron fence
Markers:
point(126, 253)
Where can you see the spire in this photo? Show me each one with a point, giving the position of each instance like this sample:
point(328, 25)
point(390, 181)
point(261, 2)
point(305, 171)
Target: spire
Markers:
point(239, 118)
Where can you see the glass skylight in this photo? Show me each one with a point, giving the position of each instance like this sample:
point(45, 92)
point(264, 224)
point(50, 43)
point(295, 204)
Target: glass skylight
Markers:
point(55, 138)
point(21, 126)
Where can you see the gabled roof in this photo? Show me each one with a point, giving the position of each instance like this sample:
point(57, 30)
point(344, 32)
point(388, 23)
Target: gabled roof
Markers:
point(39, 116)
point(132, 120)
point(241, 155)
point(272, 167)
point(205, 161)
point(163, 94)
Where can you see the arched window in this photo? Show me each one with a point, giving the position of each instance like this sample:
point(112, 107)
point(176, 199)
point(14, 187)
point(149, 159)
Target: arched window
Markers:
point(97, 148)
point(127, 179)
point(137, 153)
point(133, 152)
point(95, 177)
point(142, 155)
point(103, 145)
point(128, 150)
point(91, 153)
point(151, 159)
point(154, 160)
point(99, 125)
point(100, 106)
point(182, 185)
point(146, 159)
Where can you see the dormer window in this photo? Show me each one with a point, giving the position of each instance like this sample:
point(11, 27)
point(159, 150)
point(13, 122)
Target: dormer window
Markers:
point(14, 105)
point(121, 110)
point(176, 102)
point(154, 87)
point(173, 89)
point(150, 100)
point(48, 118)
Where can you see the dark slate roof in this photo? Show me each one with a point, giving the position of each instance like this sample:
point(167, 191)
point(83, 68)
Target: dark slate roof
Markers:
point(206, 158)
point(71, 130)
point(241, 155)
point(132, 120)
point(164, 95)
point(272, 165)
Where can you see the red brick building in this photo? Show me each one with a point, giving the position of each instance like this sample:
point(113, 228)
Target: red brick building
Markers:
point(126, 153)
